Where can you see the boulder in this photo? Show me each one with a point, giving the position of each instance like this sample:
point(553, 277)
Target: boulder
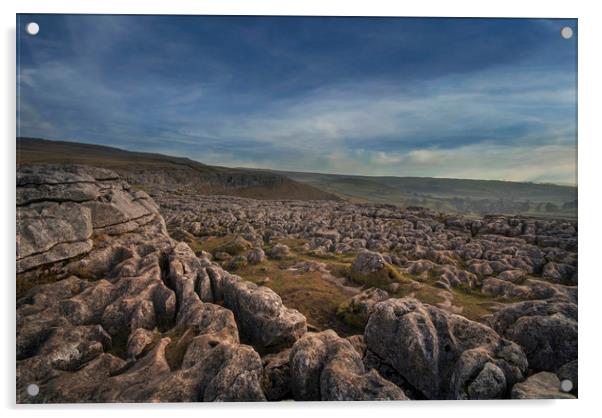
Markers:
point(370, 268)
point(444, 356)
point(546, 330)
point(542, 385)
point(279, 251)
point(256, 256)
point(560, 273)
point(504, 289)
point(324, 366)
point(236, 263)
point(262, 318)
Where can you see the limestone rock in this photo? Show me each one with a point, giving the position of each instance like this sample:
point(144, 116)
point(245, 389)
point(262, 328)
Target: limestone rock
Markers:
point(280, 251)
point(324, 366)
point(256, 256)
point(261, 316)
point(372, 269)
point(504, 289)
point(546, 330)
point(445, 356)
point(50, 231)
point(543, 385)
point(276, 381)
point(138, 341)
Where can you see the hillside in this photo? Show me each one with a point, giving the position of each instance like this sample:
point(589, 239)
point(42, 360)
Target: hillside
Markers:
point(451, 195)
point(174, 173)
point(469, 197)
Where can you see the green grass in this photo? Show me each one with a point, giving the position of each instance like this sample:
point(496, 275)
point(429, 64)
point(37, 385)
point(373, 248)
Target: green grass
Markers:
point(209, 244)
point(316, 298)
point(469, 197)
point(234, 246)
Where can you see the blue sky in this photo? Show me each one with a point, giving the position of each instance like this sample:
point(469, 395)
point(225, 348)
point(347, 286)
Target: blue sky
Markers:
point(462, 98)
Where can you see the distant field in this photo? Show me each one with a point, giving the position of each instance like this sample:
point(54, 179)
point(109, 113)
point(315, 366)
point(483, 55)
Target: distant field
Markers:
point(454, 195)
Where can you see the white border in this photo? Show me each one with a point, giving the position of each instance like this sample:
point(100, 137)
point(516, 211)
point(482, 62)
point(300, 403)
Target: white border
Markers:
point(589, 197)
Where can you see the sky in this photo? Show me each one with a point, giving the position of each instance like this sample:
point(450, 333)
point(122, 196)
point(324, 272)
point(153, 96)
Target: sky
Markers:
point(457, 98)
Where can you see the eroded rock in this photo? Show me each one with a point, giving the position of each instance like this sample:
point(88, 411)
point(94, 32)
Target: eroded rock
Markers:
point(543, 385)
point(324, 366)
point(546, 330)
point(445, 356)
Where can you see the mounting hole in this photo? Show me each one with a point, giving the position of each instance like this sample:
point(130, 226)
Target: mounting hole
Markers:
point(566, 385)
point(32, 28)
point(33, 389)
point(566, 32)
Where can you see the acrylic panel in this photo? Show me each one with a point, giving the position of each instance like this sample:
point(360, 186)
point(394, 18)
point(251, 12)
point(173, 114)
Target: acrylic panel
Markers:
point(275, 208)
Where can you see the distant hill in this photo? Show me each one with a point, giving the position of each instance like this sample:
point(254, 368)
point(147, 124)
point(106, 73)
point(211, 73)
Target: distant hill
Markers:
point(478, 197)
point(141, 168)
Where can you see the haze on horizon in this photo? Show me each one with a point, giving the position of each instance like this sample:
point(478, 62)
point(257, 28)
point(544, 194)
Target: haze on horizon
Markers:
point(460, 98)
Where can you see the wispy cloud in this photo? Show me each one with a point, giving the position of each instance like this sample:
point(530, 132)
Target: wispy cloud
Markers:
point(339, 96)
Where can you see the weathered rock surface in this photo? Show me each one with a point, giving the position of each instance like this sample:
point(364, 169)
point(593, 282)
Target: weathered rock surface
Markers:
point(443, 356)
point(59, 209)
point(276, 381)
point(546, 330)
point(111, 308)
point(256, 256)
point(324, 366)
point(279, 251)
point(371, 268)
point(367, 263)
point(543, 385)
point(261, 316)
point(122, 295)
point(360, 307)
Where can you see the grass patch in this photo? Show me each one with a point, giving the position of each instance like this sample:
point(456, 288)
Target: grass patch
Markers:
point(235, 246)
point(295, 244)
point(475, 304)
point(350, 316)
point(209, 244)
point(426, 294)
point(316, 298)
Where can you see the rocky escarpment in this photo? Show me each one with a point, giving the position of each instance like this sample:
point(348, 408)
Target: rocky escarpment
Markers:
point(111, 309)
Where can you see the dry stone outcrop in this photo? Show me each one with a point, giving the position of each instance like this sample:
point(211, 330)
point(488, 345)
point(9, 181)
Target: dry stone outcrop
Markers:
point(442, 355)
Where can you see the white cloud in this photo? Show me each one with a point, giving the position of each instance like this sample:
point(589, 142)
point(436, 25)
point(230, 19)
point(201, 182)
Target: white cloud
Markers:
point(421, 129)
